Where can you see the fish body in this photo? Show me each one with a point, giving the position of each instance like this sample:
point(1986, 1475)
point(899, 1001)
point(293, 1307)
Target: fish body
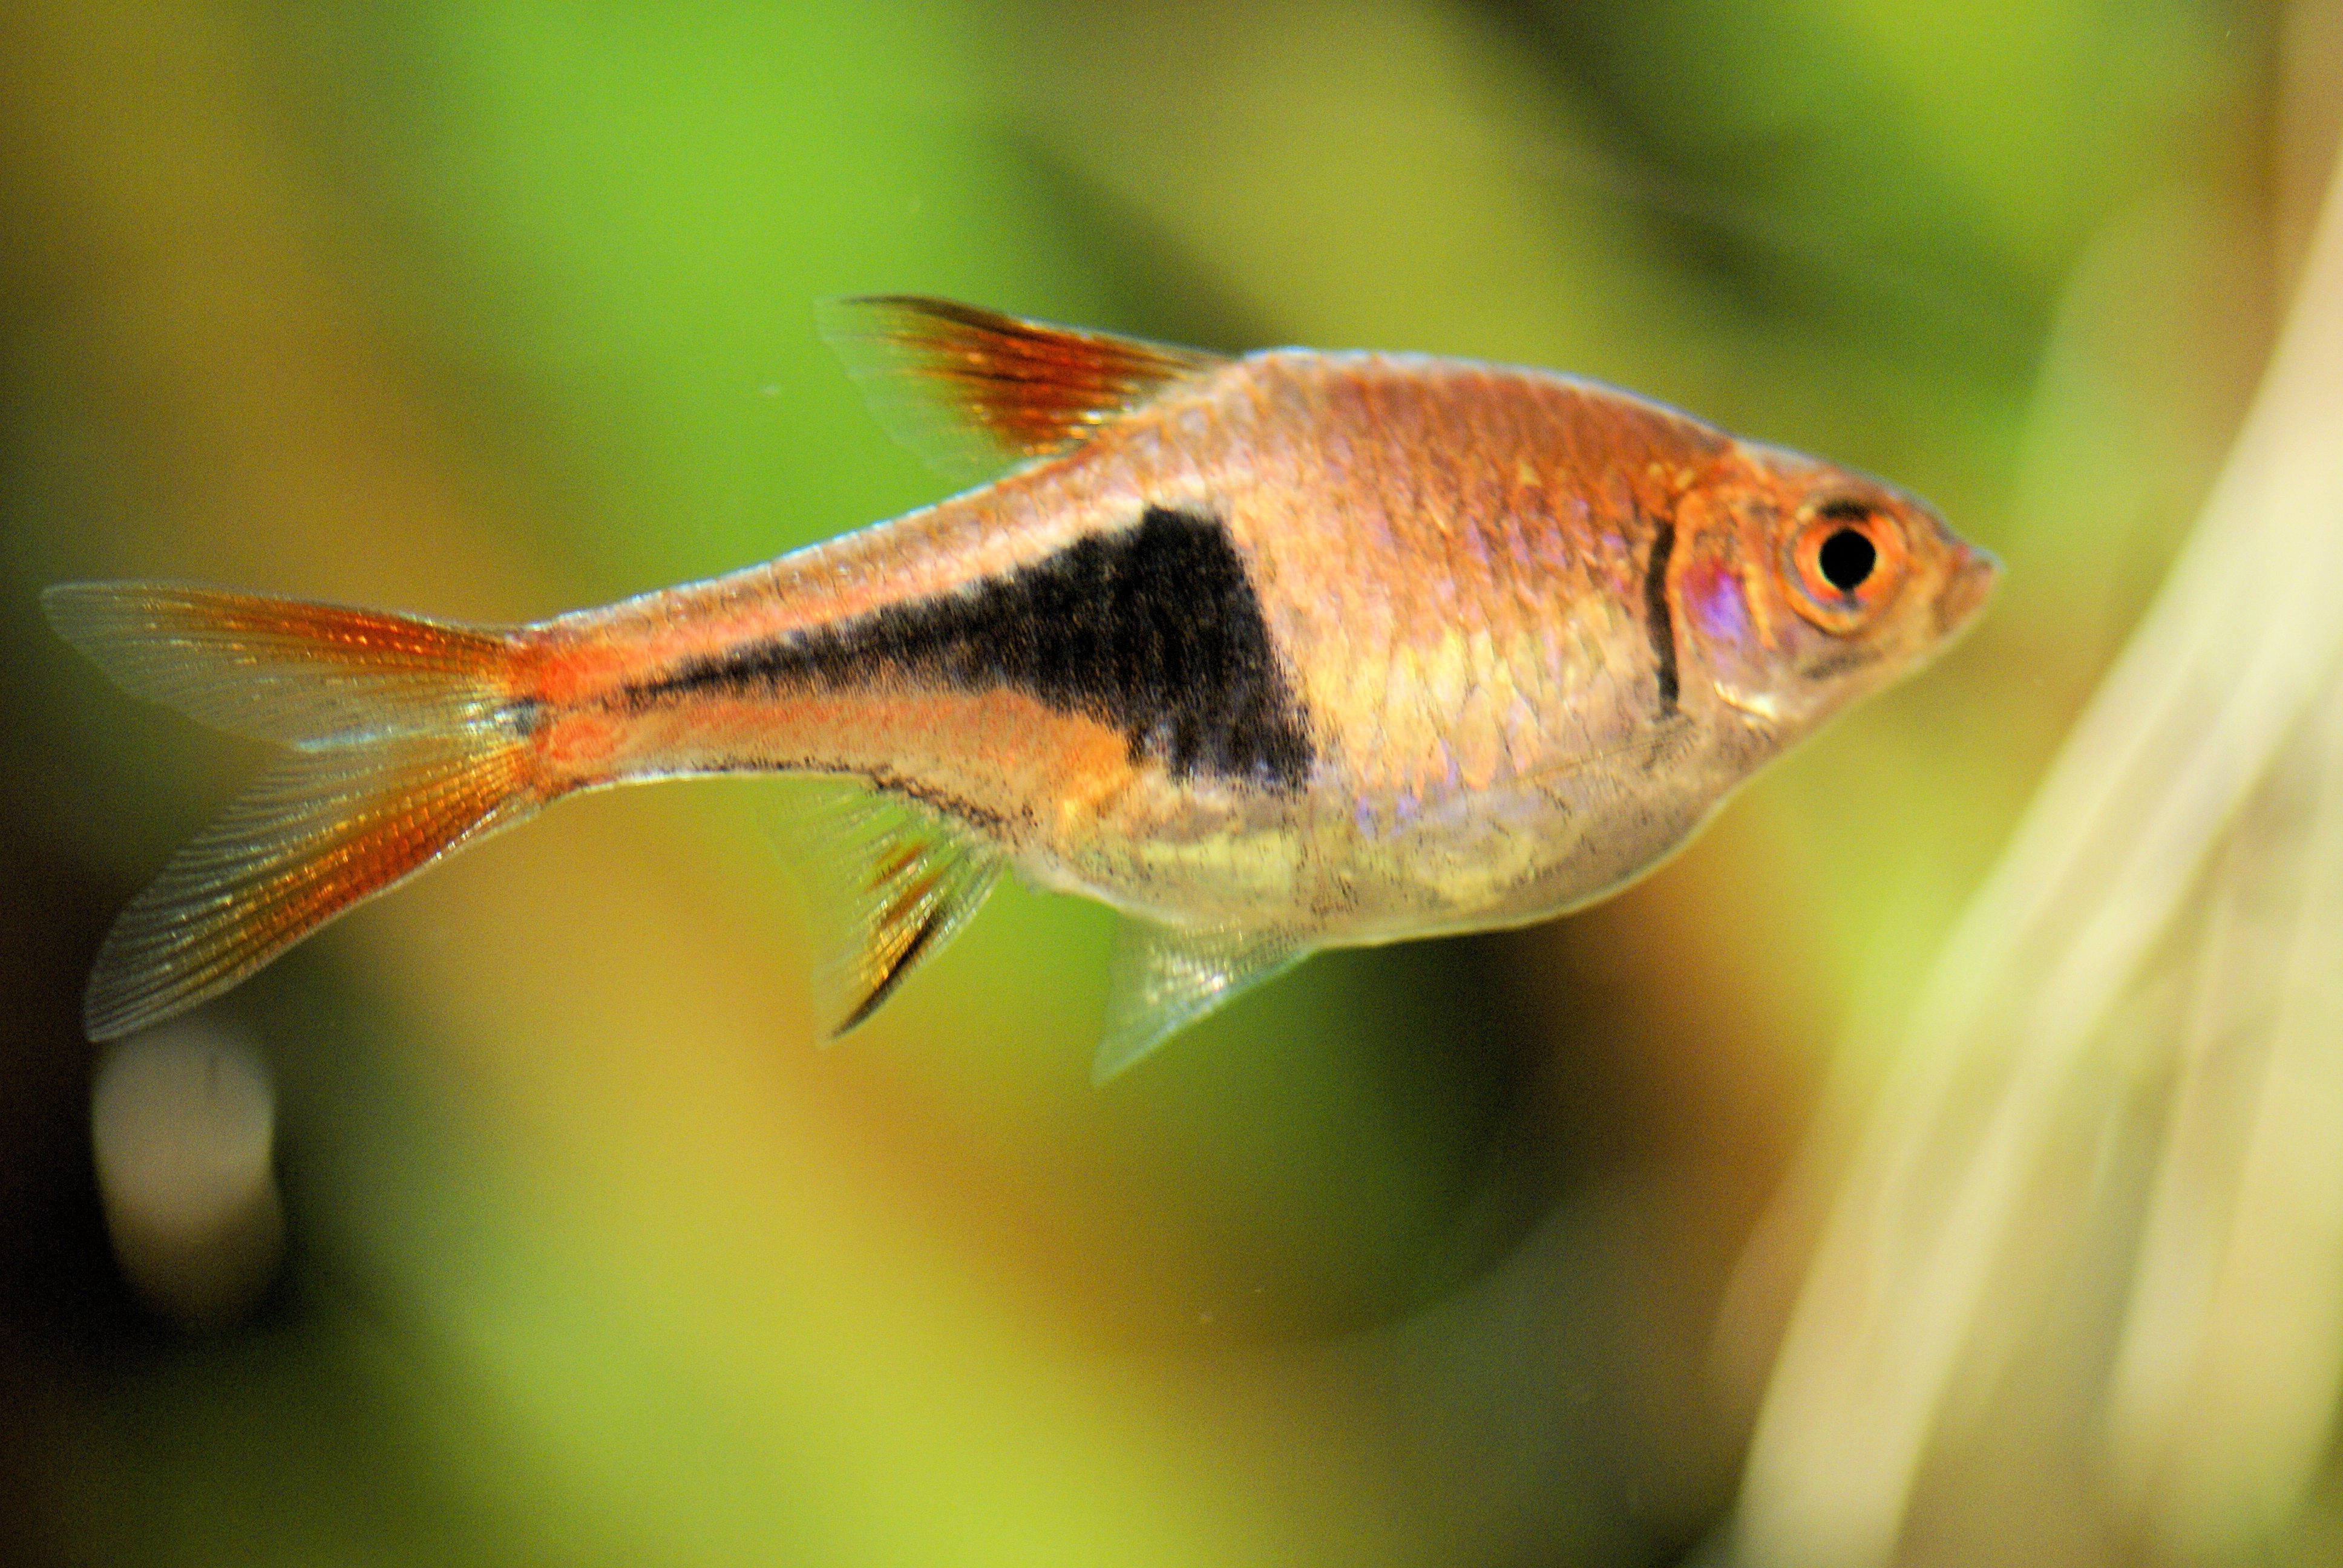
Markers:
point(1275, 653)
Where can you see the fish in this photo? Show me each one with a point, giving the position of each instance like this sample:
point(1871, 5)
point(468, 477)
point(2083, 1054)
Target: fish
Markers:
point(1272, 654)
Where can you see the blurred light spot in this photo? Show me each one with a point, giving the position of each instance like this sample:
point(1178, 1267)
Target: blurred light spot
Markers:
point(182, 1126)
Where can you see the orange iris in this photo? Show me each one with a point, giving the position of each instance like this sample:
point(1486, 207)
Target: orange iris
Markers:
point(1846, 563)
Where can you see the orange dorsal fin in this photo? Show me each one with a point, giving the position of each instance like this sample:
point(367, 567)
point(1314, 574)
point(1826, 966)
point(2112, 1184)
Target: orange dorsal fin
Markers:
point(972, 391)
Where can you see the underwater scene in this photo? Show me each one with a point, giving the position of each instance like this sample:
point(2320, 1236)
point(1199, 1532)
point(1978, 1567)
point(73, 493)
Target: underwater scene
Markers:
point(1813, 809)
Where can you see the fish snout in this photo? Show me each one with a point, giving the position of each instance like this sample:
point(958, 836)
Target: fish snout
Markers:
point(1966, 588)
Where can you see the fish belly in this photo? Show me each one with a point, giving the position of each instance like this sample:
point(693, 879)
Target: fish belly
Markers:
point(1340, 870)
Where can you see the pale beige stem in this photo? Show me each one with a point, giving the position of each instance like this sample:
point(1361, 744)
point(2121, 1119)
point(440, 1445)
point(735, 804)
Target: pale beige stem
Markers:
point(2242, 642)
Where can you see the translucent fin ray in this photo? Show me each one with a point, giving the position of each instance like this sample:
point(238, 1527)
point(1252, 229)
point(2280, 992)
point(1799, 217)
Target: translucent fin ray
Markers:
point(402, 751)
point(280, 669)
point(972, 391)
point(903, 880)
point(333, 828)
point(1161, 979)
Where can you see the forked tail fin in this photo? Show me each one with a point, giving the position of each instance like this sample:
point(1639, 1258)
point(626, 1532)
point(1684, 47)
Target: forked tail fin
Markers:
point(407, 742)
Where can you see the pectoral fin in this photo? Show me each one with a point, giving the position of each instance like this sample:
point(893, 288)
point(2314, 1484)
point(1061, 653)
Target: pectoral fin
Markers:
point(1161, 979)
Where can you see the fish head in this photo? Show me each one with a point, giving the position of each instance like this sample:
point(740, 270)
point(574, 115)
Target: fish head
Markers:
point(1801, 587)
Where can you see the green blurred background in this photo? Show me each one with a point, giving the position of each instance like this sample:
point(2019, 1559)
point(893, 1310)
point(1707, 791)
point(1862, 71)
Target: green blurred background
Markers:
point(1454, 1253)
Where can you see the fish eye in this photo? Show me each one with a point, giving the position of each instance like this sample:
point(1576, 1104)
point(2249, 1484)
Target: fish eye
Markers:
point(1847, 560)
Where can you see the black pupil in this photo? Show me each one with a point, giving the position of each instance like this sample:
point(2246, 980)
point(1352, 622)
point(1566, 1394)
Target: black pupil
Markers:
point(1847, 557)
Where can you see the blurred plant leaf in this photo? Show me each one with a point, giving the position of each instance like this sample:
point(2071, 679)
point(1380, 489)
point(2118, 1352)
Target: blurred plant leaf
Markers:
point(2197, 811)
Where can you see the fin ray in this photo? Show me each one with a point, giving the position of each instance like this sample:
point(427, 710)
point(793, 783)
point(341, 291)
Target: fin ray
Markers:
point(401, 752)
point(903, 880)
point(331, 828)
point(972, 391)
point(1161, 979)
point(277, 668)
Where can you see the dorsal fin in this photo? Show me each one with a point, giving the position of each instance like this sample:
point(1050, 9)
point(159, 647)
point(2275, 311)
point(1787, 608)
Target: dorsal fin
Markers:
point(972, 391)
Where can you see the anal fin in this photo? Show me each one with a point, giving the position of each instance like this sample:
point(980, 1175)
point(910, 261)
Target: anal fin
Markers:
point(1162, 979)
point(900, 881)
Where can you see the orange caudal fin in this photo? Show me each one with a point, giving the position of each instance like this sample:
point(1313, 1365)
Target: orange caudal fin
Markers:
point(406, 741)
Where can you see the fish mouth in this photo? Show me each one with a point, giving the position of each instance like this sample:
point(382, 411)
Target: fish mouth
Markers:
point(1975, 572)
